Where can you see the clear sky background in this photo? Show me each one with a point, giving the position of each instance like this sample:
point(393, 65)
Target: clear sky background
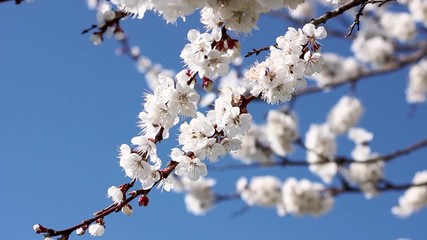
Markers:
point(66, 106)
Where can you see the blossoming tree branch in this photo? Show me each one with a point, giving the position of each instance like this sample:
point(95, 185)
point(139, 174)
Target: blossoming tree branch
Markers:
point(208, 102)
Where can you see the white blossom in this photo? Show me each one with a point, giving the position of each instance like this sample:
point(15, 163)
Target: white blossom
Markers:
point(359, 135)
point(375, 50)
point(135, 7)
point(313, 63)
point(147, 146)
point(167, 184)
point(264, 191)
point(414, 198)
point(281, 131)
point(37, 228)
point(96, 39)
point(80, 231)
point(281, 74)
point(418, 10)
point(305, 198)
point(152, 177)
point(133, 164)
point(216, 64)
point(194, 52)
point(184, 100)
point(304, 11)
point(200, 198)
point(313, 33)
point(96, 230)
point(322, 147)
point(345, 114)
point(398, 25)
point(416, 90)
point(366, 175)
point(191, 168)
point(252, 149)
point(198, 137)
point(115, 194)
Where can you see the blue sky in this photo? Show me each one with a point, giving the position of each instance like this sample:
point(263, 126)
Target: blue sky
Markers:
point(67, 105)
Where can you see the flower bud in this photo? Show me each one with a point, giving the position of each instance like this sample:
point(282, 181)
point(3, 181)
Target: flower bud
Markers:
point(96, 38)
point(118, 34)
point(207, 84)
point(143, 200)
point(109, 15)
point(127, 210)
point(135, 52)
point(96, 229)
point(81, 230)
point(39, 229)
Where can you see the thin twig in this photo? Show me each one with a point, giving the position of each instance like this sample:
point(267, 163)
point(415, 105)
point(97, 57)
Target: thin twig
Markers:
point(385, 188)
point(285, 162)
point(16, 1)
point(338, 11)
point(259, 50)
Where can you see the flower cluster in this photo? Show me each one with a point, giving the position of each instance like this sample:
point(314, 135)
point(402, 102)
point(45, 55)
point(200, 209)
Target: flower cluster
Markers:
point(291, 197)
point(281, 131)
point(417, 10)
point(161, 111)
point(414, 198)
point(365, 174)
point(398, 25)
point(240, 16)
point(345, 114)
point(372, 46)
point(253, 148)
point(215, 134)
point(417, 86)
point(210, 54)
point(295, 55)
point(320, 140)
point(199, 197)
point(322, 147)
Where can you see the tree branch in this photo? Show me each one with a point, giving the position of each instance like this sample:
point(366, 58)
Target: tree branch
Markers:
point(16, 1)
point(284, 161)
point(385, 188)
point(338, 11)
point(259, 50)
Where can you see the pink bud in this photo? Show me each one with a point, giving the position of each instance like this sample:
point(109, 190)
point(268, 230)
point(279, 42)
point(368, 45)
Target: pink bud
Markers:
point(207, 84)
point(143, 200)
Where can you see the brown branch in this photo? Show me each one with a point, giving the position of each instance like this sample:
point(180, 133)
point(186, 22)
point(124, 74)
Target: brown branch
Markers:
point(298, 22)
point(16, 1)
point(119, 15)
point(338, 11)
point(116, 207)
point(329, 15)
point(359, 13)
point(317, 21)
point(284, 161)
point(259, 50)
point(384, 188)
point(334, 191)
